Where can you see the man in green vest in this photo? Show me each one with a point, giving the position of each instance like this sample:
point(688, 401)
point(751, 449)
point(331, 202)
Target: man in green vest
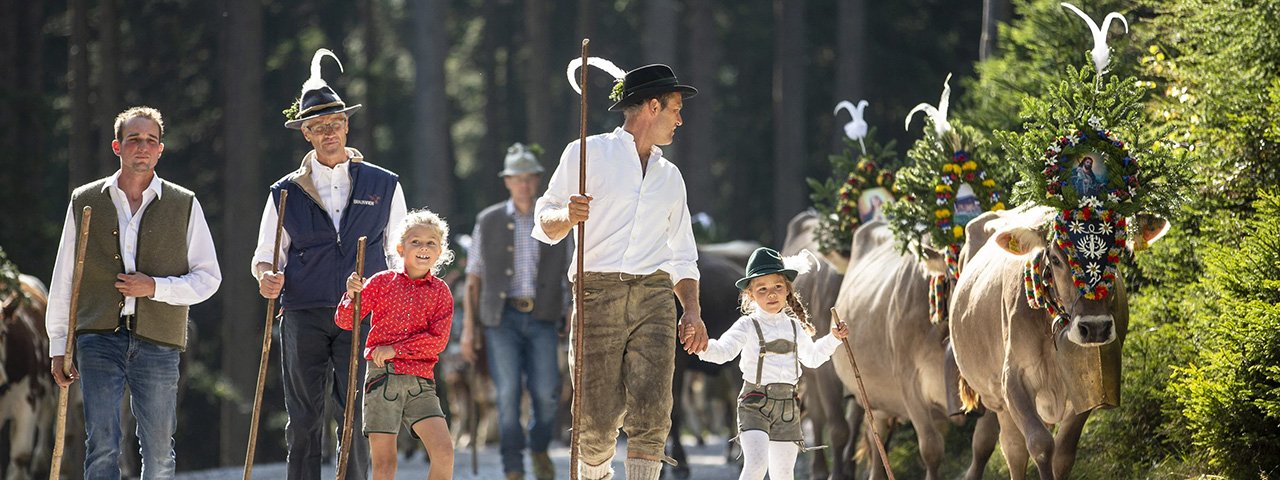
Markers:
point(149, 257)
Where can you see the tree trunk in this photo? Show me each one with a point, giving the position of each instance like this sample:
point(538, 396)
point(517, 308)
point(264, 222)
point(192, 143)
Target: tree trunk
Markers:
point(994, 12)
point(658, 45)
point(80, 162)
point(242, 192)
point(369, 116)
point(700, 132)
point(851, 61)
point(537, 69)
point(433, 177)
point(110, 100)
point(790, 157)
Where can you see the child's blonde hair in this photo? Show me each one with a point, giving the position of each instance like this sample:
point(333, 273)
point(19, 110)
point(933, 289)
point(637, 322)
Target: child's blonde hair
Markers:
point(794, 308)
point(427, 218)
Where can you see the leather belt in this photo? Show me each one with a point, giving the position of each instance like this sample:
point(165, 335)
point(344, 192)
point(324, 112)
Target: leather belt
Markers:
point(129, 322)
point(521, 304)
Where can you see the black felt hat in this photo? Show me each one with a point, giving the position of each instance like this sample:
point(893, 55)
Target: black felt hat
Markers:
point(650, 81)
point(318, 98)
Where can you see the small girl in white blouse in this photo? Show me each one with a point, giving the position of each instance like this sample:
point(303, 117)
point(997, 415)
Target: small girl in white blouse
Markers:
point(772, 340)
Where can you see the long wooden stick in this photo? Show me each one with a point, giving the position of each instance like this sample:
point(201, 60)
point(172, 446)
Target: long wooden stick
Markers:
point(349, 414)
point(862, 394)
point(579, 322)
point(64, 393)
point(266, 345)
point(474, 424)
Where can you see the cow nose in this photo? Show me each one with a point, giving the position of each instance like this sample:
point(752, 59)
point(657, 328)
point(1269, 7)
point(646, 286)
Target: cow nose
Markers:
point(1096, 331)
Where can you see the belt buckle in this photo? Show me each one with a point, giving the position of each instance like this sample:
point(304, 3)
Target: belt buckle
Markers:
point(522, 305)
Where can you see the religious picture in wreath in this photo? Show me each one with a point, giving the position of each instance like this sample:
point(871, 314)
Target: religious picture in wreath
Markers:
point(871, 203)
point(967, 206)
point(1089, 175)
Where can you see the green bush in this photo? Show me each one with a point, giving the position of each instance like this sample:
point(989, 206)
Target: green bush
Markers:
point(1230, 391)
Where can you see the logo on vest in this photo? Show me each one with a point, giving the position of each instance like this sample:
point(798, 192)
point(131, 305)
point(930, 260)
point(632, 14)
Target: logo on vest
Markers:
point(373, 200)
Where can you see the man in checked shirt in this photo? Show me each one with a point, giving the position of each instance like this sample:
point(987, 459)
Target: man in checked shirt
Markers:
point(516, 288)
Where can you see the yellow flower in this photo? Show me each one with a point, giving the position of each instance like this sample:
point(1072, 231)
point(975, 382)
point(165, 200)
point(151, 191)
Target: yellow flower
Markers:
point(942, 213)
point(970, 165)
point(957, 231)
point(1153, 49)
point(942, 188)
point(997, 207)
point(988, 183)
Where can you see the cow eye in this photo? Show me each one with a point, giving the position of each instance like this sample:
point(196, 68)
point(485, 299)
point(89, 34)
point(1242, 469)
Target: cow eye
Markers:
point(1057, 262)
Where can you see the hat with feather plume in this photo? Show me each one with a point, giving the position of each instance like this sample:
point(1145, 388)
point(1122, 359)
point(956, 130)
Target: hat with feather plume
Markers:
point(317, 98)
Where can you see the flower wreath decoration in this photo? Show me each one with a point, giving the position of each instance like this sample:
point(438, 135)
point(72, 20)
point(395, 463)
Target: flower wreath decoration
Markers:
point(836, 198)
point(932, 192)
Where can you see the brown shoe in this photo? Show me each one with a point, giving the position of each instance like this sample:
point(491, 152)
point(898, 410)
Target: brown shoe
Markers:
point(543, 469)
point(515, 475)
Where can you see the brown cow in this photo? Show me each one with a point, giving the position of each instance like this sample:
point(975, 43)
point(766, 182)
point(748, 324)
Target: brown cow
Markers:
point(884, 298)
point(1028, 377)
point(28, 395)
point(824, 394)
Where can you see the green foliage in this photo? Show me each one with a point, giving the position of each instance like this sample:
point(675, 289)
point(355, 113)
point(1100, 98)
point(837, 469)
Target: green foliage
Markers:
point(9, 280)
point(1230, 392)
point(836, 198)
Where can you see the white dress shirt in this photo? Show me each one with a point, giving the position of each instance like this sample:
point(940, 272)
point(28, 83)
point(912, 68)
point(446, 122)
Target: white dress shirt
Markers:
point(333, 185)
point(639, 221)
point(778, 368)
point(194, 287)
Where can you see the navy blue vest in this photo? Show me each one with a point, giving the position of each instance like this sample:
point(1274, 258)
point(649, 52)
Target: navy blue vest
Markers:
point(319, 258)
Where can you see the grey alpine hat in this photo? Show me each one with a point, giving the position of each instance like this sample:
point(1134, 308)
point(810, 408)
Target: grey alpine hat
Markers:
point(520, 160)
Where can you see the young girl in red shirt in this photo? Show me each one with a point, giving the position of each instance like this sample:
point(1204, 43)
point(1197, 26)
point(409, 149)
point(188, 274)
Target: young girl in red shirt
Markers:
point(410, 311)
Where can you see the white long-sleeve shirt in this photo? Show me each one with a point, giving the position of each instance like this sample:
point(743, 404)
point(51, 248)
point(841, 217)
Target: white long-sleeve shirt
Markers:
point(196, 286)
point(333, 185)
point(778, 368)
point(639, 221)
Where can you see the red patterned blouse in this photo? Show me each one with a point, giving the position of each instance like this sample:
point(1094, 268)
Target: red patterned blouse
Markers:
point(412, 316)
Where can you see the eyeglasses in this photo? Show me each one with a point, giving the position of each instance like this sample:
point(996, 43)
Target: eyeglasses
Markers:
point(325, 128)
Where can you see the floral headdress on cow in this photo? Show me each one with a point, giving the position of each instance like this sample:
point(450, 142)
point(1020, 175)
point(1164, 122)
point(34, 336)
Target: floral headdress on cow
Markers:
point(1081, 149)
point(862, 173)
point(945, 188)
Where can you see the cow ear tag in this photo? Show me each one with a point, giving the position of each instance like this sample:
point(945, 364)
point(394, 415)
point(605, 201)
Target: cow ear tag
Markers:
point(1009, 242)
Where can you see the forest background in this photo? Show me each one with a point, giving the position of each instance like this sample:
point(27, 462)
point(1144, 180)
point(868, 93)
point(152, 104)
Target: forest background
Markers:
point(448, 85)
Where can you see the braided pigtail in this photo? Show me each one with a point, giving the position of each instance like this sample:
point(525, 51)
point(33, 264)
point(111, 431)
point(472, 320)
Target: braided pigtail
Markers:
point(797, 309)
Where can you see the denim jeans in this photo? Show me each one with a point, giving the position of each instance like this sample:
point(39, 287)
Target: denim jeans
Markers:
point(522, 352)
point(315, 356)
point(107, 363)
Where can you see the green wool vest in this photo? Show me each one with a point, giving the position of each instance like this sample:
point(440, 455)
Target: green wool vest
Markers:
point(161, 252)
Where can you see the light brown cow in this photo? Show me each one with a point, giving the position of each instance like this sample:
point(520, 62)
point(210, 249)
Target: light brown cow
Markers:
point(884, 298)
point(1026, 376)
point(824, 394)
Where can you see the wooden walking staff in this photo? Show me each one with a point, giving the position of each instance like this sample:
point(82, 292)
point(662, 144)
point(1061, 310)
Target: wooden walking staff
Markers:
point(64, 393)
point(350, 410)
point(862, 394)
point(266, 345)
point(579, 324)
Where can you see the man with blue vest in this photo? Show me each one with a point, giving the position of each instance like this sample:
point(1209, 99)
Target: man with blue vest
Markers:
point(149, 256)
point(516, 288)
point(335, 197)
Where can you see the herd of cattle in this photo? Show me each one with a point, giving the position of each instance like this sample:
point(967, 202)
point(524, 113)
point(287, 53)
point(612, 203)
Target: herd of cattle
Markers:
point(1030, 389)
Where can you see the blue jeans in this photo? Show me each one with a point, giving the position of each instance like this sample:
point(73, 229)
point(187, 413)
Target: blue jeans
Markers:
point(315, 355)
point(523, 350)
point(107, 363)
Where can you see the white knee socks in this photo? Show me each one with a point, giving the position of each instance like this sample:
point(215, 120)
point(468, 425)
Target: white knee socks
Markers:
point(760, 455)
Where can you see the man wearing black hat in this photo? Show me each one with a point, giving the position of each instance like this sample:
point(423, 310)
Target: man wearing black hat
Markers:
point(335, 197)
point(639, 247)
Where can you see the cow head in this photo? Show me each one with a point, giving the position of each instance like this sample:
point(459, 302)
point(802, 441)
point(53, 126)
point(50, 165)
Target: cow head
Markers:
point(1071, 265)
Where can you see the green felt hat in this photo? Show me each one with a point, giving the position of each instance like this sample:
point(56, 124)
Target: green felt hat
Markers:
point(765, 261)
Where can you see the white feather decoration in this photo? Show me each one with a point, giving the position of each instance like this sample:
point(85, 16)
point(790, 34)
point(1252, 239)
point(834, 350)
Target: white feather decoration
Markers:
point(1101, 53)
point(856, 129)
point(597, 62)
point(316, 81)
point(939, 114)
point(802, 262)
